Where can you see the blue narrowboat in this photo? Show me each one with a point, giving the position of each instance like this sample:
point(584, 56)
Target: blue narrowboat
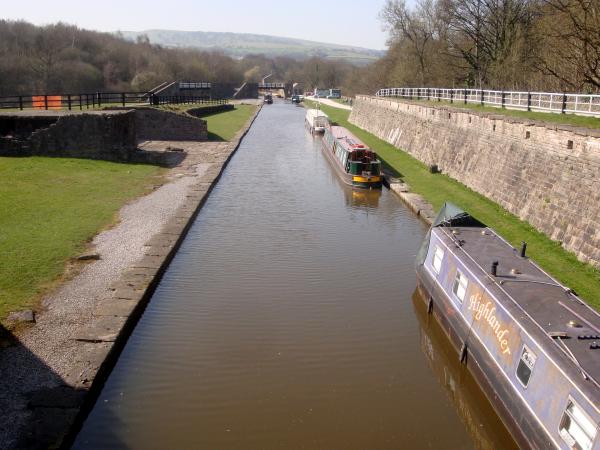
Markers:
point(532, 344)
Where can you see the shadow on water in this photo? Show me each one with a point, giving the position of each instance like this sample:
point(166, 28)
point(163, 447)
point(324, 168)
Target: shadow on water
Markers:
point(474, 409)
point(38, 407)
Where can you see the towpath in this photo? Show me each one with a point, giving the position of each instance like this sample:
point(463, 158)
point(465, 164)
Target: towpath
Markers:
point(329, 102)
point(46, 374)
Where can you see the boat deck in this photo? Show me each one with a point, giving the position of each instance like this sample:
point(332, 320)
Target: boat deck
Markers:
point(555, 310)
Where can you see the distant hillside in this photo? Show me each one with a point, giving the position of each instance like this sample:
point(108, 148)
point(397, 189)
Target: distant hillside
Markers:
point(240, 44)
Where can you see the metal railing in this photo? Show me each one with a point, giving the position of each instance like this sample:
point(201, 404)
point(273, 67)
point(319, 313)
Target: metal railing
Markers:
point(583, 104)
point(98, 100)
point(271, 85)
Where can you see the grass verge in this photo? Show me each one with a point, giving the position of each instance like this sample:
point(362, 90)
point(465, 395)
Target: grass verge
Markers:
point(223, 126)
point(438, 188)
point(554, 118)
point(50, 208)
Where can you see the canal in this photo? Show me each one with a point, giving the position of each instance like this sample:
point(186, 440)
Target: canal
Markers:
point(289, 319)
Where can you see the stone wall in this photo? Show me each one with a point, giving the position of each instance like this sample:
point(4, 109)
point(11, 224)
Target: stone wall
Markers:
point(109, 136)
point(206, 110)
point(153, 124)
point(545, 174)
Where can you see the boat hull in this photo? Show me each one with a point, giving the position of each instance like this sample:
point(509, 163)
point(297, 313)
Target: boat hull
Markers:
point(523, 427)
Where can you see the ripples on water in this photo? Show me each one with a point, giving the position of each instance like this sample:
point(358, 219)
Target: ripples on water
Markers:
point(285, 320)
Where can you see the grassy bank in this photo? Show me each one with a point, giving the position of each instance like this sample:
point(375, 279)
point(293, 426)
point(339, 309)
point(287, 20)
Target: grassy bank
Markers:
point(224, 125)
point(49, 209)
point(555, 118)
point(438, 188)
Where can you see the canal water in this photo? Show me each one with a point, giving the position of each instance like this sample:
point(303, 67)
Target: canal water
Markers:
point(289, 319)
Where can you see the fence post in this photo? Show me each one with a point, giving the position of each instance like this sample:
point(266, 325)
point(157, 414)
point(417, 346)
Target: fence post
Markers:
point(564, 103)
point(123, 98)
point(46, 101)
point(21, 102)
point(69, 101)
point(503, 99)
point(99, 99)
point(465, 92)
point(427, 93)
point(482, 99)
point(80, 104)
point(529, 101)
point(452, 96)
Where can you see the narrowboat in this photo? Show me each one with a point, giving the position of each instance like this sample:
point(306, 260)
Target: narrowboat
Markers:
point(532, 344)
point(355, 163)
point(472, 407)
point(316, 120)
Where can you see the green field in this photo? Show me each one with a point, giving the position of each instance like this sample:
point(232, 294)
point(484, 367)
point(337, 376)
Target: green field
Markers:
point(563, 119)
point(49, 209)
point(223, 126)
point(438, 188)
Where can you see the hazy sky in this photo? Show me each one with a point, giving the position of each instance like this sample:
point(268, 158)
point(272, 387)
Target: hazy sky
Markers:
point(352, 22)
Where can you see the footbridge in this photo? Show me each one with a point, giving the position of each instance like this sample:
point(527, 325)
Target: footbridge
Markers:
point(283, 89)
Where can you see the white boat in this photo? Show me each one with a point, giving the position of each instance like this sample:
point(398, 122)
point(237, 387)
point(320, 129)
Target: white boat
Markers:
point(316, 120)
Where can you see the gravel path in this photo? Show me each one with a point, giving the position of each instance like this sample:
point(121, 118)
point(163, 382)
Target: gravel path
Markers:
point(48, 360)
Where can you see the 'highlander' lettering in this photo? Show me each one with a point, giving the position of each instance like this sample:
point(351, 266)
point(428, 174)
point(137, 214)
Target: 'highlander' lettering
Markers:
point(487, 312)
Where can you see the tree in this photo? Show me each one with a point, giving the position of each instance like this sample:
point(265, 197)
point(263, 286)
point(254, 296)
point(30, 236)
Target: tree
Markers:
point(415, 27)
point(483, 33)
point(571, 31)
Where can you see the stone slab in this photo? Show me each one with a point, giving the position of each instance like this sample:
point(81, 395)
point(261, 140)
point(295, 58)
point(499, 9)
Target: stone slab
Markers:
point(100, 329)
point(117, 307)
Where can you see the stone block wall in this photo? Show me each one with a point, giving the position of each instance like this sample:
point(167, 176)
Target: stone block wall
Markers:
point(153, 124)
point(109, 136)
point(548, 175)
point(206, 110)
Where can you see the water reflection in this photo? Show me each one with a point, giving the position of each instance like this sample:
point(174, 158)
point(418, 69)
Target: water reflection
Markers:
point(362, 198)
point(475, 411)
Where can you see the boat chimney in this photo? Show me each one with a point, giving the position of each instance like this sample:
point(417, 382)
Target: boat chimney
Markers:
point(523, 249)
point(494, 270)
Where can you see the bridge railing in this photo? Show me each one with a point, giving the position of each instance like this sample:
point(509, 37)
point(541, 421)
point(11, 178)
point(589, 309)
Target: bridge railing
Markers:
point(582, 104)
point(271, 85)
point(98, 100)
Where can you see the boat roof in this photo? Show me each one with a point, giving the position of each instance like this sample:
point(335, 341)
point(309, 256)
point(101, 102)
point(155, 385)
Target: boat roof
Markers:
point(347, 139)
point(315, 113)
point(540, 304)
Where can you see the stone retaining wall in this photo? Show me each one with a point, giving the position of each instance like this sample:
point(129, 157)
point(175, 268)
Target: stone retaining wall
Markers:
point(154, 124)
point(206, 110)
point(110, 136)
point(545, 174)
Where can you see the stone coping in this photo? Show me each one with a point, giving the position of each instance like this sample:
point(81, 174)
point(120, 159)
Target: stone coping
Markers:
point(62, 113)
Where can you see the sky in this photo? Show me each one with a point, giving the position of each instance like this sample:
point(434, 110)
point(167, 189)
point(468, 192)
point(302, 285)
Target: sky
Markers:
point(350, 22)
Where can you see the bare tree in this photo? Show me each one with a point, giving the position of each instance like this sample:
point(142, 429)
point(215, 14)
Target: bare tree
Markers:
point(483, 32)
point(417, 27)
point(572, 36)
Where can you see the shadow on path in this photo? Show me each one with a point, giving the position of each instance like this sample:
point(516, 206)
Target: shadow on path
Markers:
point(42, 416)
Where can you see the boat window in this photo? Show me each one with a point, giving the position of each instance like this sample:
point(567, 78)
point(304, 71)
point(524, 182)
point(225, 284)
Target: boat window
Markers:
point(525, 367)
point(438, 256)
point(460, 285)
point(576, 428)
